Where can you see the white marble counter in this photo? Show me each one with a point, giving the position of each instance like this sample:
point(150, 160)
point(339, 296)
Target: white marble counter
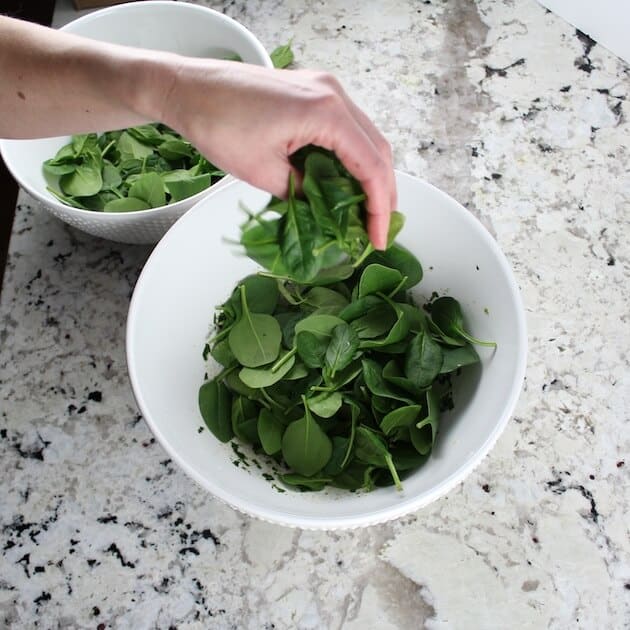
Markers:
point(502, 105)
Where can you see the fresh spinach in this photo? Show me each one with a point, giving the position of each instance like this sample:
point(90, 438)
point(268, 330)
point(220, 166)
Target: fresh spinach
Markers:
point(446, 314)
point(139, 168)
point(305, 446)
point(329, 367)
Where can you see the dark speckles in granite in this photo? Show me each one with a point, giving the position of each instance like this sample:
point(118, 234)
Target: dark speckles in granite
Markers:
point(584, 62)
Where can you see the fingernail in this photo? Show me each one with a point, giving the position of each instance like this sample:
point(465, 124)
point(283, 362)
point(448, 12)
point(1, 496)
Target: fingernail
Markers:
point(380, 227)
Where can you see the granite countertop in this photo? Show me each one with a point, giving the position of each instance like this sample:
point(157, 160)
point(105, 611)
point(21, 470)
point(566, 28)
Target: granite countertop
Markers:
point(526, 122)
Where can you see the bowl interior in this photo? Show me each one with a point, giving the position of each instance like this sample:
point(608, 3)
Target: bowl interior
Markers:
point(192, 270)
point(169, 26)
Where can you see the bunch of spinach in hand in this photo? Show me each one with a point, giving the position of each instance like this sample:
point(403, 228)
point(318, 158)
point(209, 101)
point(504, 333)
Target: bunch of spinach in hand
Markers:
point(131, 169)
point(328, 366)
point(318, 240)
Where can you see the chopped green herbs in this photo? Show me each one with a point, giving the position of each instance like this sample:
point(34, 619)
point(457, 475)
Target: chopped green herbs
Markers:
point(329, 367)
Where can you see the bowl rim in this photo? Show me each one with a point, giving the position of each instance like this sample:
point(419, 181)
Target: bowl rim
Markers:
point(382, 515)
point(51, 201)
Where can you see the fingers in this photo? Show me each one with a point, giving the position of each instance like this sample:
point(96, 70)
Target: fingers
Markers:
point(367, 155)
point(362, 159)
point(380, 142)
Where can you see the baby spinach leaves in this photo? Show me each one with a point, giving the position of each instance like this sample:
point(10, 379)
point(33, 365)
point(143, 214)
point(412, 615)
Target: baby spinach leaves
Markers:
point(127, 170)
point(282, 56)
point(319, 240)
point(329, 367)
point(255, 339)
point(215, 402)
point(305, 446)
point(446, 314)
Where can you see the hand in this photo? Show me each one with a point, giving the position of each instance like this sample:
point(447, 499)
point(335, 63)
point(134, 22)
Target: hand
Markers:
point(249, 120)
point(246, 119)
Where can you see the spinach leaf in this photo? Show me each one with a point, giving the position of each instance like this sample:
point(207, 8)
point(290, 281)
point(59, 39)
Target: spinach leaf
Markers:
point(331, 275)
point(424, 432)
point(400, 418)
point(297, 242)
point(356, 476)
point(455, 358)
point(392, 374)
point(265, 376)
point(406, 457)
point(175, 149)
point(305, 483)
point(255, 339)
point(129, 147)
point(282, 56)
point(262, 294)
point(358, 308)
point(245, 420)
point(305, 447)
point(85, 180)
point(325, 405)
point(377, 278)
point(398, 257)
point(373, 375)
point(446, 313)
point(150, 188)
point(270, 431)
point(183, 187)
point(322, 297)
point(215, 404)
point(234, 383)
point(423, 360)
point(344, 343)
point(376, 322)
point(321, 325)
point(397, 332)
point(126, 204)
point(222, 354)
point(311, 348)
point(337, 461)
point(370, 448)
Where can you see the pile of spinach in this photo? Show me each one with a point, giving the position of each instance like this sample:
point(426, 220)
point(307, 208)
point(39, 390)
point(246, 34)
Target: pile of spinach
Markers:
point(130, 169)
point(135, 168)
point(328, 366)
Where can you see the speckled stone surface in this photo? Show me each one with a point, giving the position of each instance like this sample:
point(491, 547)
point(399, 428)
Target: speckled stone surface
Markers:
point(505, 107)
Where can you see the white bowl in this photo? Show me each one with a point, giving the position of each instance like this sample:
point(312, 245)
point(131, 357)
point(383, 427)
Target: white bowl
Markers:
point(177, 27)
point(192, 270)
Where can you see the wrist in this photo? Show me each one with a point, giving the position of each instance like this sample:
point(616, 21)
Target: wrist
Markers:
point(148, 79)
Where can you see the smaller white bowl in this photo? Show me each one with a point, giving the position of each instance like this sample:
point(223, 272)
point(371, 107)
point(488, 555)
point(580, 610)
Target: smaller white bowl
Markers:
point(192, 270)
point(177, 27)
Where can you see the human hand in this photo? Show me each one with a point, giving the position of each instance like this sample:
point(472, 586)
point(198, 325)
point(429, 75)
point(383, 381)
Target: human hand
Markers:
point(249, 121)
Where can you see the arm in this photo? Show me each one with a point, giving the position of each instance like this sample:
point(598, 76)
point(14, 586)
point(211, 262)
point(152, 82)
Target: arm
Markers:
point(246, 119)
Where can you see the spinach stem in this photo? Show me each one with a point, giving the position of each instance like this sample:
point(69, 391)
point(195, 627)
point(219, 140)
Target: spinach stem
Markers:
point(350, 443)
point(282, 360)
point(107, 148)
point(319, 388)
point(317, 251)
point(478, 342)
point(287, 296)
point(366, 252)
point(399, 286)
point(269, 399)
point(393, 472)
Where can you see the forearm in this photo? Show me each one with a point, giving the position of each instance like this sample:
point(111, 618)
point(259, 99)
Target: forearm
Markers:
point(55, 83)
